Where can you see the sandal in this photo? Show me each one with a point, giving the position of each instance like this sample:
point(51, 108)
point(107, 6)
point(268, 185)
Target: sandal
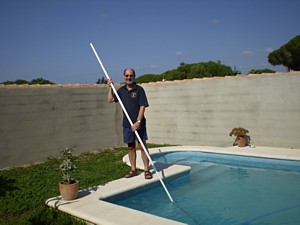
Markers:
point(148, 175)
point(132, 173)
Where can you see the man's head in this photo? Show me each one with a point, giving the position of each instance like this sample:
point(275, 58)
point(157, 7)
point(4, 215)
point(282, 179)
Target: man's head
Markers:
point(129, 76)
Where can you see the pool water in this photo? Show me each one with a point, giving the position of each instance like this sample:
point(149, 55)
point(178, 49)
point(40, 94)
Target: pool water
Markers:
point(224, 189)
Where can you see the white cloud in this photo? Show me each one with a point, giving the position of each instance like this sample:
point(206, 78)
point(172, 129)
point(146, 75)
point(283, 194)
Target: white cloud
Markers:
point(248, 53)
point(153, 66)
point(179, 53)
point(104, 15)
point(269, 49)
point(215, 21)
point(263, 64)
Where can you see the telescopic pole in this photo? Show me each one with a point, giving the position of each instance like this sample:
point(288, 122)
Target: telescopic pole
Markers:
point(127, 116)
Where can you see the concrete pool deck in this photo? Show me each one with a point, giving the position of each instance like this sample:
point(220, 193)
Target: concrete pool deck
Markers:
point(90, 207)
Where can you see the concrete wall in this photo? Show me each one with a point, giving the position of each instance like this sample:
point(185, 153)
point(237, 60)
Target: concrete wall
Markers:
point(37, 122)
point(203, 111)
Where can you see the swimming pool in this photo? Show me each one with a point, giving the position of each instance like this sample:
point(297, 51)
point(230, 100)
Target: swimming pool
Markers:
point(224, 189)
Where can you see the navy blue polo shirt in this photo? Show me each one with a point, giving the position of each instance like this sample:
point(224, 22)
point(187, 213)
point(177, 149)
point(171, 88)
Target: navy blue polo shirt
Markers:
point(132, 101)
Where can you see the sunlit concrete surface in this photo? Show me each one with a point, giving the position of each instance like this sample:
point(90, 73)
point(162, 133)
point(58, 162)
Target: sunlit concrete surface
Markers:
point(90, 207)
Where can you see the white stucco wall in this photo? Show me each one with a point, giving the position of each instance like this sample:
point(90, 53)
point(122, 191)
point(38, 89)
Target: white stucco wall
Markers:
point(37, 122)
point(203, 111)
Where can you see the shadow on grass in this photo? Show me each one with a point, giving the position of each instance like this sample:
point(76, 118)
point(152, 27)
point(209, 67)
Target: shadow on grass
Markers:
point(56, 202)
point(6, 184)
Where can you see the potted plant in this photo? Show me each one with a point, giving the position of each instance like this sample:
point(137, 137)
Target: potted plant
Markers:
point(242, 139)
point(68, 187)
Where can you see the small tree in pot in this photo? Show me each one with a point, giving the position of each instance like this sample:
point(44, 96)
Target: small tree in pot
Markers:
point(242, 139)
point(68, 187)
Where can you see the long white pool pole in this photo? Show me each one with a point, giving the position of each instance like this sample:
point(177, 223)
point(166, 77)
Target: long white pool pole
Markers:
point(136, 133)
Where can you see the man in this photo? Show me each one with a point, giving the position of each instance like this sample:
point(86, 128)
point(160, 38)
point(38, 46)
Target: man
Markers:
point(135, 101)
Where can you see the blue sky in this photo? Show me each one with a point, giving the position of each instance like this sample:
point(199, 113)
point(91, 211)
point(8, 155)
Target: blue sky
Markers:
point(50, 38)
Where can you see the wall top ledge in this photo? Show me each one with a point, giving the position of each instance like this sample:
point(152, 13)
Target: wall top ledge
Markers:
point(150, 83)
point(225, 77)
point(53, 85)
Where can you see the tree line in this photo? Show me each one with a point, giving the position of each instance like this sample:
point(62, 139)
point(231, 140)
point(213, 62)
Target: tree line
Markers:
point(189, 71)
point(33, 81)
point(197, 70)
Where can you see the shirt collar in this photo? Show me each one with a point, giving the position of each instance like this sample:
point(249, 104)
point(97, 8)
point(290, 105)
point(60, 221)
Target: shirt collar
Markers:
point(134, 85)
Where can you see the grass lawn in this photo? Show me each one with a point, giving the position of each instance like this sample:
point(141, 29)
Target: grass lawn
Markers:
point(24, 190)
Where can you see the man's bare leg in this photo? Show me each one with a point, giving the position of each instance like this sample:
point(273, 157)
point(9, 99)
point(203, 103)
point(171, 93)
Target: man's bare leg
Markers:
point(132, 160)
point(145, 159)
point(132, 155)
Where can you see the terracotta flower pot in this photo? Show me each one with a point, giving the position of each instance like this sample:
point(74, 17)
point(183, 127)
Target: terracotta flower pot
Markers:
point(69, 191)
point(241, 141)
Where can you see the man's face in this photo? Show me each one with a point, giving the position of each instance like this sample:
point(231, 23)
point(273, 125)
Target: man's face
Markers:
point(128, 76)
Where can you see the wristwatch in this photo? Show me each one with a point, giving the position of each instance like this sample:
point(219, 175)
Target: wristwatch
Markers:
point(138, 121)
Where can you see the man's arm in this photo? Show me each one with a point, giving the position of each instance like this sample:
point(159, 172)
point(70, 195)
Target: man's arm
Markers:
point(110, 97)
point(141, 114)
point(136, 124)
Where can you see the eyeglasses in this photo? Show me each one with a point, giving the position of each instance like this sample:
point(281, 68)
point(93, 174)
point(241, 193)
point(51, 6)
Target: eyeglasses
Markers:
point(128, 75)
